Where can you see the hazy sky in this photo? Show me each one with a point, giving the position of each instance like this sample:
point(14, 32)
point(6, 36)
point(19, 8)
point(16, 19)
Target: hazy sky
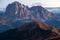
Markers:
point(44, 3)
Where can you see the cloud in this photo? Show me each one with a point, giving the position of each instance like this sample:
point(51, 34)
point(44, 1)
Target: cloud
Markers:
point(46, 3)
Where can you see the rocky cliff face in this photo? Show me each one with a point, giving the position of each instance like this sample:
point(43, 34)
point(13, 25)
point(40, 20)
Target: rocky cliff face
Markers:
point(40, 12)
point(19, 11)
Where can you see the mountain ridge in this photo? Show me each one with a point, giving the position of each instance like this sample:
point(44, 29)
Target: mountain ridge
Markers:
point(31, 31)
point(20, 11)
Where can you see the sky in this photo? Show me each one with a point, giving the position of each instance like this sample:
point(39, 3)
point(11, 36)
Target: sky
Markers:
point(44, 3)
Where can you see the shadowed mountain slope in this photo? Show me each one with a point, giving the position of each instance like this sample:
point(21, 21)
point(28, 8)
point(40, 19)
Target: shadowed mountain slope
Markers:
point(31, 31)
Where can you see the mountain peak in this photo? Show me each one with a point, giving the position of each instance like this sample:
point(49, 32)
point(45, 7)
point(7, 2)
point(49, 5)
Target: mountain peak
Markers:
point(21, 12)
point(16, 2)
point(14, 9)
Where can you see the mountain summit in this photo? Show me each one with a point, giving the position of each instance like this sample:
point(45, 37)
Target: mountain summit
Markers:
point(16, 9)
point(19, 11)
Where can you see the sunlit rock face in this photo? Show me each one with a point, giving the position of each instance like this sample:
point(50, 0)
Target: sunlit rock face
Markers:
point(16, 9)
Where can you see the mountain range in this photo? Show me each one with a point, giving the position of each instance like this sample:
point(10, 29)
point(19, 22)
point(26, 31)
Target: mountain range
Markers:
point(20, 22)
point(17, 11)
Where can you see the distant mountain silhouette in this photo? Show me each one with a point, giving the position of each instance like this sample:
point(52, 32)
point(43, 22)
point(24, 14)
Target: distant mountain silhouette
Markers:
point(31, 31)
